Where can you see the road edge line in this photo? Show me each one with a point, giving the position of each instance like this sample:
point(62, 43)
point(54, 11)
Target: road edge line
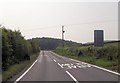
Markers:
point(25, 72)
point(72, 76)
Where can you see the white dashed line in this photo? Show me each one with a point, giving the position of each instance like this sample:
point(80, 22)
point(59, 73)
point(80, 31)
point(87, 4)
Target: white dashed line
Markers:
point(25, 72)
point(54, 60)
point(60, 65)
point(72, 77)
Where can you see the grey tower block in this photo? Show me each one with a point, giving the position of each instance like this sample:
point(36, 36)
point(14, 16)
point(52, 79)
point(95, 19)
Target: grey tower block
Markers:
point(98, 37)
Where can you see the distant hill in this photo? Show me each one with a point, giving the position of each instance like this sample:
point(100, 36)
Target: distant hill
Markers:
point(51, 43)
point(105, 42)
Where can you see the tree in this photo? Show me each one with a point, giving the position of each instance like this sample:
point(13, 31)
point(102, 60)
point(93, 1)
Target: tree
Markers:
point(15, 48)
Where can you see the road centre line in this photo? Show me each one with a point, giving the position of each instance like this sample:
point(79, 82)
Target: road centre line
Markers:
point(71, 76)
point(60, 65)
point(54, 60)
point(26, 71)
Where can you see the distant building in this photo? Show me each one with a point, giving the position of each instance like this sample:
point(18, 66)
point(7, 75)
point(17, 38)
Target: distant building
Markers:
point(98, 37)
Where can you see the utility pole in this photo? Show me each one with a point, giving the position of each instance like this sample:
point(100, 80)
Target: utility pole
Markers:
point(63, 35)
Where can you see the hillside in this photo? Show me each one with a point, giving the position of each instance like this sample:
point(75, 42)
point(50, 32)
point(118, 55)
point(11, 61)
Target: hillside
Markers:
point(51, 43)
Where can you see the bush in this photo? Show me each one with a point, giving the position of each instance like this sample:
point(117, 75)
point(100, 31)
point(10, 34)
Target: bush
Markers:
point(15, 48)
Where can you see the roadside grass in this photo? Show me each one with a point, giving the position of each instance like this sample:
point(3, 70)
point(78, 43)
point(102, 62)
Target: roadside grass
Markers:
point(16, 68)
point(104, 63)
point(100, 62)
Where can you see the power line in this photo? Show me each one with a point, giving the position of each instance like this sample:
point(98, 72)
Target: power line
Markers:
point(41, 28)
point(94, 22)
point(79, 24)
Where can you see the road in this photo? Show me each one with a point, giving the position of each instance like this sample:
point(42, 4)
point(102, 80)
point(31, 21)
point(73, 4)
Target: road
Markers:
point(52, 67)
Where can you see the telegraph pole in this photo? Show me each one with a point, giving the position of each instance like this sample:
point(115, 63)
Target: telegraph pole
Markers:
point(63, 35)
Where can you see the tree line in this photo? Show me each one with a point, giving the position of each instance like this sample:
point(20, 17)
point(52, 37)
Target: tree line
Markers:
point(15, 48)
point(52, 43)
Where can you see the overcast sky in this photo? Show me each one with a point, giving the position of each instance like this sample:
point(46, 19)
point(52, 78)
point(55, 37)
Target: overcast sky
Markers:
point(44, 19)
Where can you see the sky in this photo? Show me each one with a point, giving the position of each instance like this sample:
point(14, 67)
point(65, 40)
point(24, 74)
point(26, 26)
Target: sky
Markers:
point(38, 18)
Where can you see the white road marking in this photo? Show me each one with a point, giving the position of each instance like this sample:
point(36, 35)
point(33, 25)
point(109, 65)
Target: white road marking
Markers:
point(60, 65)
point(71, 66)
point(40, 58)
point(75, 65)
point(89, 65)
point(98, 67)
point(48, 58)
point(25, 72)
point(54, 60)
point(72, 77)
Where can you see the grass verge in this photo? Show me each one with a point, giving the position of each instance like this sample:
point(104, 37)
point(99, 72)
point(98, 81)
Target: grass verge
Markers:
point(111, 65)
point(16, 68)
